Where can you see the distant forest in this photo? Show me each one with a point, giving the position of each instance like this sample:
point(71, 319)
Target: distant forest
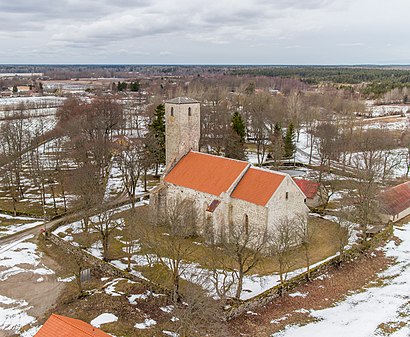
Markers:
point(378, 80)
point(370, 80)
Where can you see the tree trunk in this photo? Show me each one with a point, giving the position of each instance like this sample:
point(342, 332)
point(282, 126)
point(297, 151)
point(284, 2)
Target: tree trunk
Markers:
point(105, 247)
point(240, 285)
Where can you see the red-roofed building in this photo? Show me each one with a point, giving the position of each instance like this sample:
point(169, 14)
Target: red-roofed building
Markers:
point(61, 326)
point(395, 202)
point(312, 191)
point(226, 191)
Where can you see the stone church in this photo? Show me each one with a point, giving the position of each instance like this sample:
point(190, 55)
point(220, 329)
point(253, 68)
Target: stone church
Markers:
point(225, 191)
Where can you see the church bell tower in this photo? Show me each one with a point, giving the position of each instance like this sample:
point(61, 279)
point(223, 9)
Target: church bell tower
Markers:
point(182, 128)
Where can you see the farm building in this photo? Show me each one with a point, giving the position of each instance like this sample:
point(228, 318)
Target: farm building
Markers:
point(63, 326)
point(395, 202)
point(225, 191)
point(311, 189)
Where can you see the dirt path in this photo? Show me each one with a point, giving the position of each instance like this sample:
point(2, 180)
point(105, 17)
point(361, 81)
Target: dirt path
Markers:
point(29, 286)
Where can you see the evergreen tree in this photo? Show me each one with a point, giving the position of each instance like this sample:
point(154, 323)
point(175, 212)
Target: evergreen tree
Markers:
point(156, 137)
point(135, 86)
point(278, 146)
point(235, 140)
point(290, 141)
point(238, 125)
point(15, 89)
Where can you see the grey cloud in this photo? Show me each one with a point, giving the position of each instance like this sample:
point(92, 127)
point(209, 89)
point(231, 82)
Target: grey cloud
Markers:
point(285, 31)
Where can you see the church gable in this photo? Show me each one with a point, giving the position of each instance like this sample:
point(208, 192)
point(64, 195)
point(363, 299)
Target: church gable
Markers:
point(258, 186)
point(206, 173)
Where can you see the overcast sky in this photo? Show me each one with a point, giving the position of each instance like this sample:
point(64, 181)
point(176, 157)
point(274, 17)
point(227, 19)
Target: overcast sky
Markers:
point(205, 31)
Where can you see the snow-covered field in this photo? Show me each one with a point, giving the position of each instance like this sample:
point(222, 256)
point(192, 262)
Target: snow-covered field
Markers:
point(385, 110)
point(14, 224)
point(365, 313)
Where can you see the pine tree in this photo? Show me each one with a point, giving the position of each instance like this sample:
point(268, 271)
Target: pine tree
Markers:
point(290, 141)
point(278, 147)
point(238, 125)
point(235, 140)
point(156, 137)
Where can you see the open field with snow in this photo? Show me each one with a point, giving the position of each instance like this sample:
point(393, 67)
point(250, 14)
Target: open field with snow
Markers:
point(380, 309)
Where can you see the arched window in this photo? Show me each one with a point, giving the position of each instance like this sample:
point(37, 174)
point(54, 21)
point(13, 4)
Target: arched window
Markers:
point(189, 111)
point(172, 111)
point(246, 224)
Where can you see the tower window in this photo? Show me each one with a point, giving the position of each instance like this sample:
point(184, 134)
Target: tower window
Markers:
point(287, 195)
point(172, 111)
point(189, 111)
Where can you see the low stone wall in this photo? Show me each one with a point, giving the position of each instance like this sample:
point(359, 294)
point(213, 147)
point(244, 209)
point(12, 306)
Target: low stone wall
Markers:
point(101, 266)
point(277, 291)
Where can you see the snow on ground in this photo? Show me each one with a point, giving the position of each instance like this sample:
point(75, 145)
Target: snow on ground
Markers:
point(15, 258)
point(362, 314)
point(385, 110)
point(146, 324)
point(19, 223)
point(13, 314)
point(103, 319)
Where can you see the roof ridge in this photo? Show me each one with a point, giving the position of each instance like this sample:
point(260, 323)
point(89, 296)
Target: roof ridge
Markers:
point(269, 171)
point(214, 155)
point(74, 326)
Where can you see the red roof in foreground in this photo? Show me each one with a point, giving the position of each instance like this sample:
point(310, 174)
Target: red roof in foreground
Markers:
point(309, 188)
point(205, 173)
point(257, 186)
point(61, 326)
point(396, 199)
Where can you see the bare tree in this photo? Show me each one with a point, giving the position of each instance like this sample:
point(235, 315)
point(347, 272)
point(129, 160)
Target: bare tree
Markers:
point(365, 187)
point(282, 239)
point(245, 246)
point(130, 162)
point(199, 315)
point(180, 219)
point(88, 190)
point(105, 224)
point(305, 233)
point(345, 228)
point(326, 138)
point(133, 224)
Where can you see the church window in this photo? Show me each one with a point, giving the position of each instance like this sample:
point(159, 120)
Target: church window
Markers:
point(246, 224)
point(172, 111)
point(189, 111)
point(287, 195)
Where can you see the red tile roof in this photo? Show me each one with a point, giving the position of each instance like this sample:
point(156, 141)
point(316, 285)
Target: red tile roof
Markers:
point(206, 173)
point(396, 199)
point(61, 326)
point(309, 188)
point(257, 186)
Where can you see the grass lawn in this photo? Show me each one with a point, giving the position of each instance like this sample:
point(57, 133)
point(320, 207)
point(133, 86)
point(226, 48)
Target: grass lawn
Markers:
point(324, 244)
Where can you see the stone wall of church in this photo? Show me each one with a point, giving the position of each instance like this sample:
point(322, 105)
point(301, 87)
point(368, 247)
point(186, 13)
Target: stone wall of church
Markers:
point(257, 215)
point(202, 200)
point(287, 202)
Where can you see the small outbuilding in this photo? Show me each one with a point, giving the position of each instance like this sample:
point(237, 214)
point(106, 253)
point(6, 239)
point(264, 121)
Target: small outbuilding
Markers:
point(395, 202)
point(311, 189)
